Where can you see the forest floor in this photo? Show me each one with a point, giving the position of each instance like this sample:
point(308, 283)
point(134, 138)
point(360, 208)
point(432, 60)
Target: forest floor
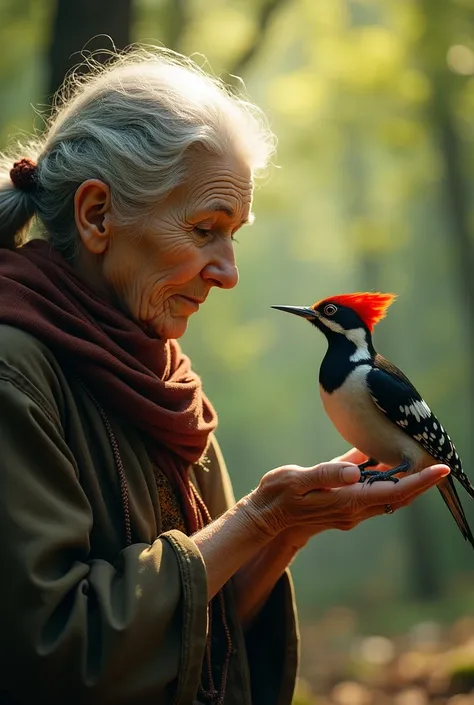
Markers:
point(429, 664)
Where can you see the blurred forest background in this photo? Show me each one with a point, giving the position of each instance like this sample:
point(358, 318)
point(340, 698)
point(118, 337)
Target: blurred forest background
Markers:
point(373, 105)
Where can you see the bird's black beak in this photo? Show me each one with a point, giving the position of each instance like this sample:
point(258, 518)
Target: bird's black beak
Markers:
point(303, 311)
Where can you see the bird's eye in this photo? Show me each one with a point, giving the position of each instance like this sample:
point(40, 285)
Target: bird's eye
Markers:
point(330, 310)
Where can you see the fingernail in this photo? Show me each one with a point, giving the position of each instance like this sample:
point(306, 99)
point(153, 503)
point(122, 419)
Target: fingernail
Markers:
point(350, 474)
point(445, 472)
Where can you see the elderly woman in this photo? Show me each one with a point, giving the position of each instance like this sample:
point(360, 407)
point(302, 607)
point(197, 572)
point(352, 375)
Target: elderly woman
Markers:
point(129, 573)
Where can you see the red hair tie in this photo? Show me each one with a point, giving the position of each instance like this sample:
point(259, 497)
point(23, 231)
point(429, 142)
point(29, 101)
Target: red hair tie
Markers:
point(23, 174)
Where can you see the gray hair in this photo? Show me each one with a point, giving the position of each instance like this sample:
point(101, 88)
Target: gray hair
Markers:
point(131, 125)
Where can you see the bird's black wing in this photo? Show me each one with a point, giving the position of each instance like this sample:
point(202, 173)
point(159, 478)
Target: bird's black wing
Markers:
point(399, 400)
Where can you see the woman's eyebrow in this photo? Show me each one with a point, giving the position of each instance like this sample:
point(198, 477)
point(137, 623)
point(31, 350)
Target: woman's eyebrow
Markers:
point(222, 207)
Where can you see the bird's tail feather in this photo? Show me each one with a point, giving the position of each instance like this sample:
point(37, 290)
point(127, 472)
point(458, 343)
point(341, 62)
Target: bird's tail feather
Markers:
point(463, 479)
point(450, 496)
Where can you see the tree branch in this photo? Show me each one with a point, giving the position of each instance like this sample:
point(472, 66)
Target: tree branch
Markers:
point(267, 13)
point(177, 20)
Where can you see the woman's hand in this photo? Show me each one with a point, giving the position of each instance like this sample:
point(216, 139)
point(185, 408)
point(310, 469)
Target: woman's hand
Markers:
point(290, 505)
point(299, 502)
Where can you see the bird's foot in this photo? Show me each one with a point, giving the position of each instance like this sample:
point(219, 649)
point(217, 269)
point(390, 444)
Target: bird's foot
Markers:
point(370, 463)
point(383, 475)
point(378, 475)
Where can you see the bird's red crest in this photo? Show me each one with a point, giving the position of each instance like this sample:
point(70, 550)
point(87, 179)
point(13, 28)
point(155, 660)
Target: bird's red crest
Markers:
point(370, 306)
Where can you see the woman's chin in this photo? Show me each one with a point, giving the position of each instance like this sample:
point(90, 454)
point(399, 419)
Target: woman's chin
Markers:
point(171, 329)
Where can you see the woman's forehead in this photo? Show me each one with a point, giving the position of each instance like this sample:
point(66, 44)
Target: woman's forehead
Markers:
point(219, 184)
point(205, 166)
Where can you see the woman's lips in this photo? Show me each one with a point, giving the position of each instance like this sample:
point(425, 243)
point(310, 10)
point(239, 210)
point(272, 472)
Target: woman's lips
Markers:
point(192, 304)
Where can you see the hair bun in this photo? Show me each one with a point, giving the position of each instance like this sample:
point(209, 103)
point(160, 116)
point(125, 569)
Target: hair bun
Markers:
point(24, 173)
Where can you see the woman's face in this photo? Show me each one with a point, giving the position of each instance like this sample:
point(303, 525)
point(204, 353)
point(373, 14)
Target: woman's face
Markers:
point(165, 274)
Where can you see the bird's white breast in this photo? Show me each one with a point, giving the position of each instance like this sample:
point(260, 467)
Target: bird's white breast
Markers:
point(363, 425)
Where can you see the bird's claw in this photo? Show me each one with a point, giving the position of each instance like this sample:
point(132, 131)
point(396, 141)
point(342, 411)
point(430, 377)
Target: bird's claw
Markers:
point(383, 475)
point(369, 463)
point(371, 476)
point(381, 479)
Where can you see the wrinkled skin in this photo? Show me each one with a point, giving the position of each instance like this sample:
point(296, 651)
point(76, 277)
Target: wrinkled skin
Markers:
point(187, 248)
point(302, 502)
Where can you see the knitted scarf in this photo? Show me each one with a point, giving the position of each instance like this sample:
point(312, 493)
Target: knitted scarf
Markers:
point(148, 382)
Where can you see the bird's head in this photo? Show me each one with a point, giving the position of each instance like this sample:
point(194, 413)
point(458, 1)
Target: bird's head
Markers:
point(345, 314)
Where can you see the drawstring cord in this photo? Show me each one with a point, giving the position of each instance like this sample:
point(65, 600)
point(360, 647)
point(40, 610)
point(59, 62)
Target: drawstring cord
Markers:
point(213, 695)
point(118, 464)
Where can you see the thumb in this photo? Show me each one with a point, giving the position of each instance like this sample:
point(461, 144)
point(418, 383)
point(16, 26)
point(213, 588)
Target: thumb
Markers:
point(327, 475)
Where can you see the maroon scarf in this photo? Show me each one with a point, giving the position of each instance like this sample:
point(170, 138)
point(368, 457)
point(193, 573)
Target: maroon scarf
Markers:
point(148, 381)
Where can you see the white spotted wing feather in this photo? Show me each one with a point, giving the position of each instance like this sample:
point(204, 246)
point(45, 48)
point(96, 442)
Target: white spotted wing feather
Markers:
point(399, 400)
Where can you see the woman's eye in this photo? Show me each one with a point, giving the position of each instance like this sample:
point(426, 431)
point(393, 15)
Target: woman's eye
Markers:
point(208, 233)
point(330, 310)
point(202, 232)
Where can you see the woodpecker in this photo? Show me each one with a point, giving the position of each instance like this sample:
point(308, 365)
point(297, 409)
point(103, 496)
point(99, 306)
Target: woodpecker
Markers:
point(373, 405)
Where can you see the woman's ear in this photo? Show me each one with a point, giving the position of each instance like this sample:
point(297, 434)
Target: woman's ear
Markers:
point(91, 205)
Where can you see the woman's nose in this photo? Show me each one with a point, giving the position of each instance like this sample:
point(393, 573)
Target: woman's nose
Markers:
point(222, 270)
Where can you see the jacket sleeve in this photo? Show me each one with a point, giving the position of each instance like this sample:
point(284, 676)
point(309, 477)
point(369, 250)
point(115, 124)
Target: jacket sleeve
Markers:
point(74, 629)
point(272, 641)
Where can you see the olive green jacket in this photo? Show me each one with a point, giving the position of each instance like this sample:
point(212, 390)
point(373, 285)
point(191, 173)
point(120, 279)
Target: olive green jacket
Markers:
point(85, 618)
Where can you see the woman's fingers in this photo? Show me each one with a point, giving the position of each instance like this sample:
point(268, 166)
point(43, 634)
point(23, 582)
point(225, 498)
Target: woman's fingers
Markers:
point(330, 495)
point(439, 473)
point(375, 499)
point(329, 475)
point(382, 493)
point(370, 499)
point(422, 481)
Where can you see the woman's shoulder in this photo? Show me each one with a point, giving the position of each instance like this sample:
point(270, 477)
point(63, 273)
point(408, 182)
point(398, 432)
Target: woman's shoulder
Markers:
point(29, 365)
point(22, 351)
point(11, 338)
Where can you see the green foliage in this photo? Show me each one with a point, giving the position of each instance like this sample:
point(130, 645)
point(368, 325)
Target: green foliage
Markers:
point(23, 41)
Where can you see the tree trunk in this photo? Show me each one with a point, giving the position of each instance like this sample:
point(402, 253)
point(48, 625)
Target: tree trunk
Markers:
point(460, 240)
point(175, 20)
point(268, 11)
point(433, 49)
point(87, 25)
